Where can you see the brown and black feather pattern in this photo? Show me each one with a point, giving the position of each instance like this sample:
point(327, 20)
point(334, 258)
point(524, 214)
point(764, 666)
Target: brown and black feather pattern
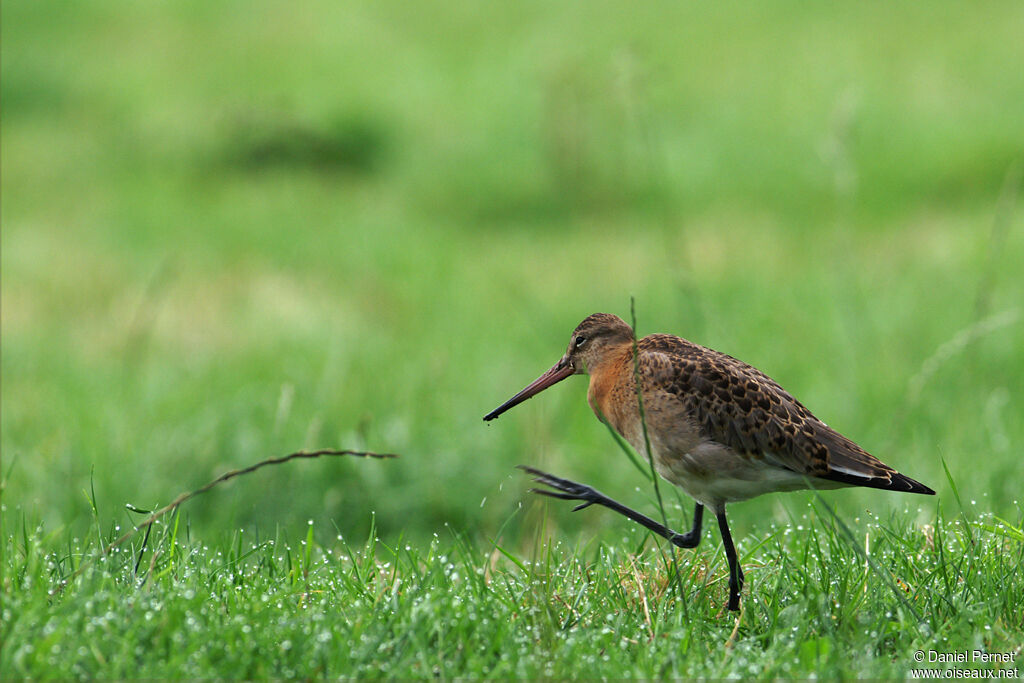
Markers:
point(737, 405)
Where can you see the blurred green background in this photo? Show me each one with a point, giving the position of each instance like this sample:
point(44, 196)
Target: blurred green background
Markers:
point(233, 230)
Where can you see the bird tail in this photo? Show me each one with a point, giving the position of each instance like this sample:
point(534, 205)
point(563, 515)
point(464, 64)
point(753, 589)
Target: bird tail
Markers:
point(850, 464)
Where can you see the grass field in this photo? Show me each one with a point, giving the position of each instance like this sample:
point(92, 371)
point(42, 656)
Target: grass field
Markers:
point(233, 231)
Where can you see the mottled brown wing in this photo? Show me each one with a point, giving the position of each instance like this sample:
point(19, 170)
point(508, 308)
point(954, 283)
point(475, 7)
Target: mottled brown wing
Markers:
point(737, 405)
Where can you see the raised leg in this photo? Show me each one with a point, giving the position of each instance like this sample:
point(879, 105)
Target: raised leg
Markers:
point(570, 490)
point(735, 572)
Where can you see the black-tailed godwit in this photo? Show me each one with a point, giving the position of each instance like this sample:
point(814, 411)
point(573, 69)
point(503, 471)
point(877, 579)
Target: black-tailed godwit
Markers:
point(721, 430)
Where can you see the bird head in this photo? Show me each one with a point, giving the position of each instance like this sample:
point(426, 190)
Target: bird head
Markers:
point(588, 344)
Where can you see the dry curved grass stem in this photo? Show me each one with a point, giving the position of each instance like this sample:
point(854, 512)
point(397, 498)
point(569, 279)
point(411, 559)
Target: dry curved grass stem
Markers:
point(184, 497)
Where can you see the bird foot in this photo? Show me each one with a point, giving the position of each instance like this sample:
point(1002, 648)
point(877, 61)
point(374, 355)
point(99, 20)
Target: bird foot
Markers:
point(565, 489)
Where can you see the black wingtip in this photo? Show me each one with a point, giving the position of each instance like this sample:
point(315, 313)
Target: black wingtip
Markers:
point(894, 482)
point(902, 482)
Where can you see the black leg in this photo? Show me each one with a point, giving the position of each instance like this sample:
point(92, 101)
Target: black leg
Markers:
point(735, 572)
point(570, 490)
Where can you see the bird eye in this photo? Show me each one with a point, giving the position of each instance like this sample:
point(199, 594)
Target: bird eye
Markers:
point(579, 341)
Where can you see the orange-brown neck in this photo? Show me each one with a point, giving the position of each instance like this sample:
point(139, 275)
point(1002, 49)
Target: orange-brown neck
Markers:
point(615, 366)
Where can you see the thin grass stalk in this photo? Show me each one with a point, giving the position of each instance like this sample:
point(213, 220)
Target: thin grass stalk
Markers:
point(647, 446)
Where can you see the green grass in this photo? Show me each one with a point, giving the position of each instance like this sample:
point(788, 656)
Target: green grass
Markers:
point(235, 231)
point(256, 605)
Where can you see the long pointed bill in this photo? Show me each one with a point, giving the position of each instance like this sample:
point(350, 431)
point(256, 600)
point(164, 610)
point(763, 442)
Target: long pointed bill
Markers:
point(560, 371)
